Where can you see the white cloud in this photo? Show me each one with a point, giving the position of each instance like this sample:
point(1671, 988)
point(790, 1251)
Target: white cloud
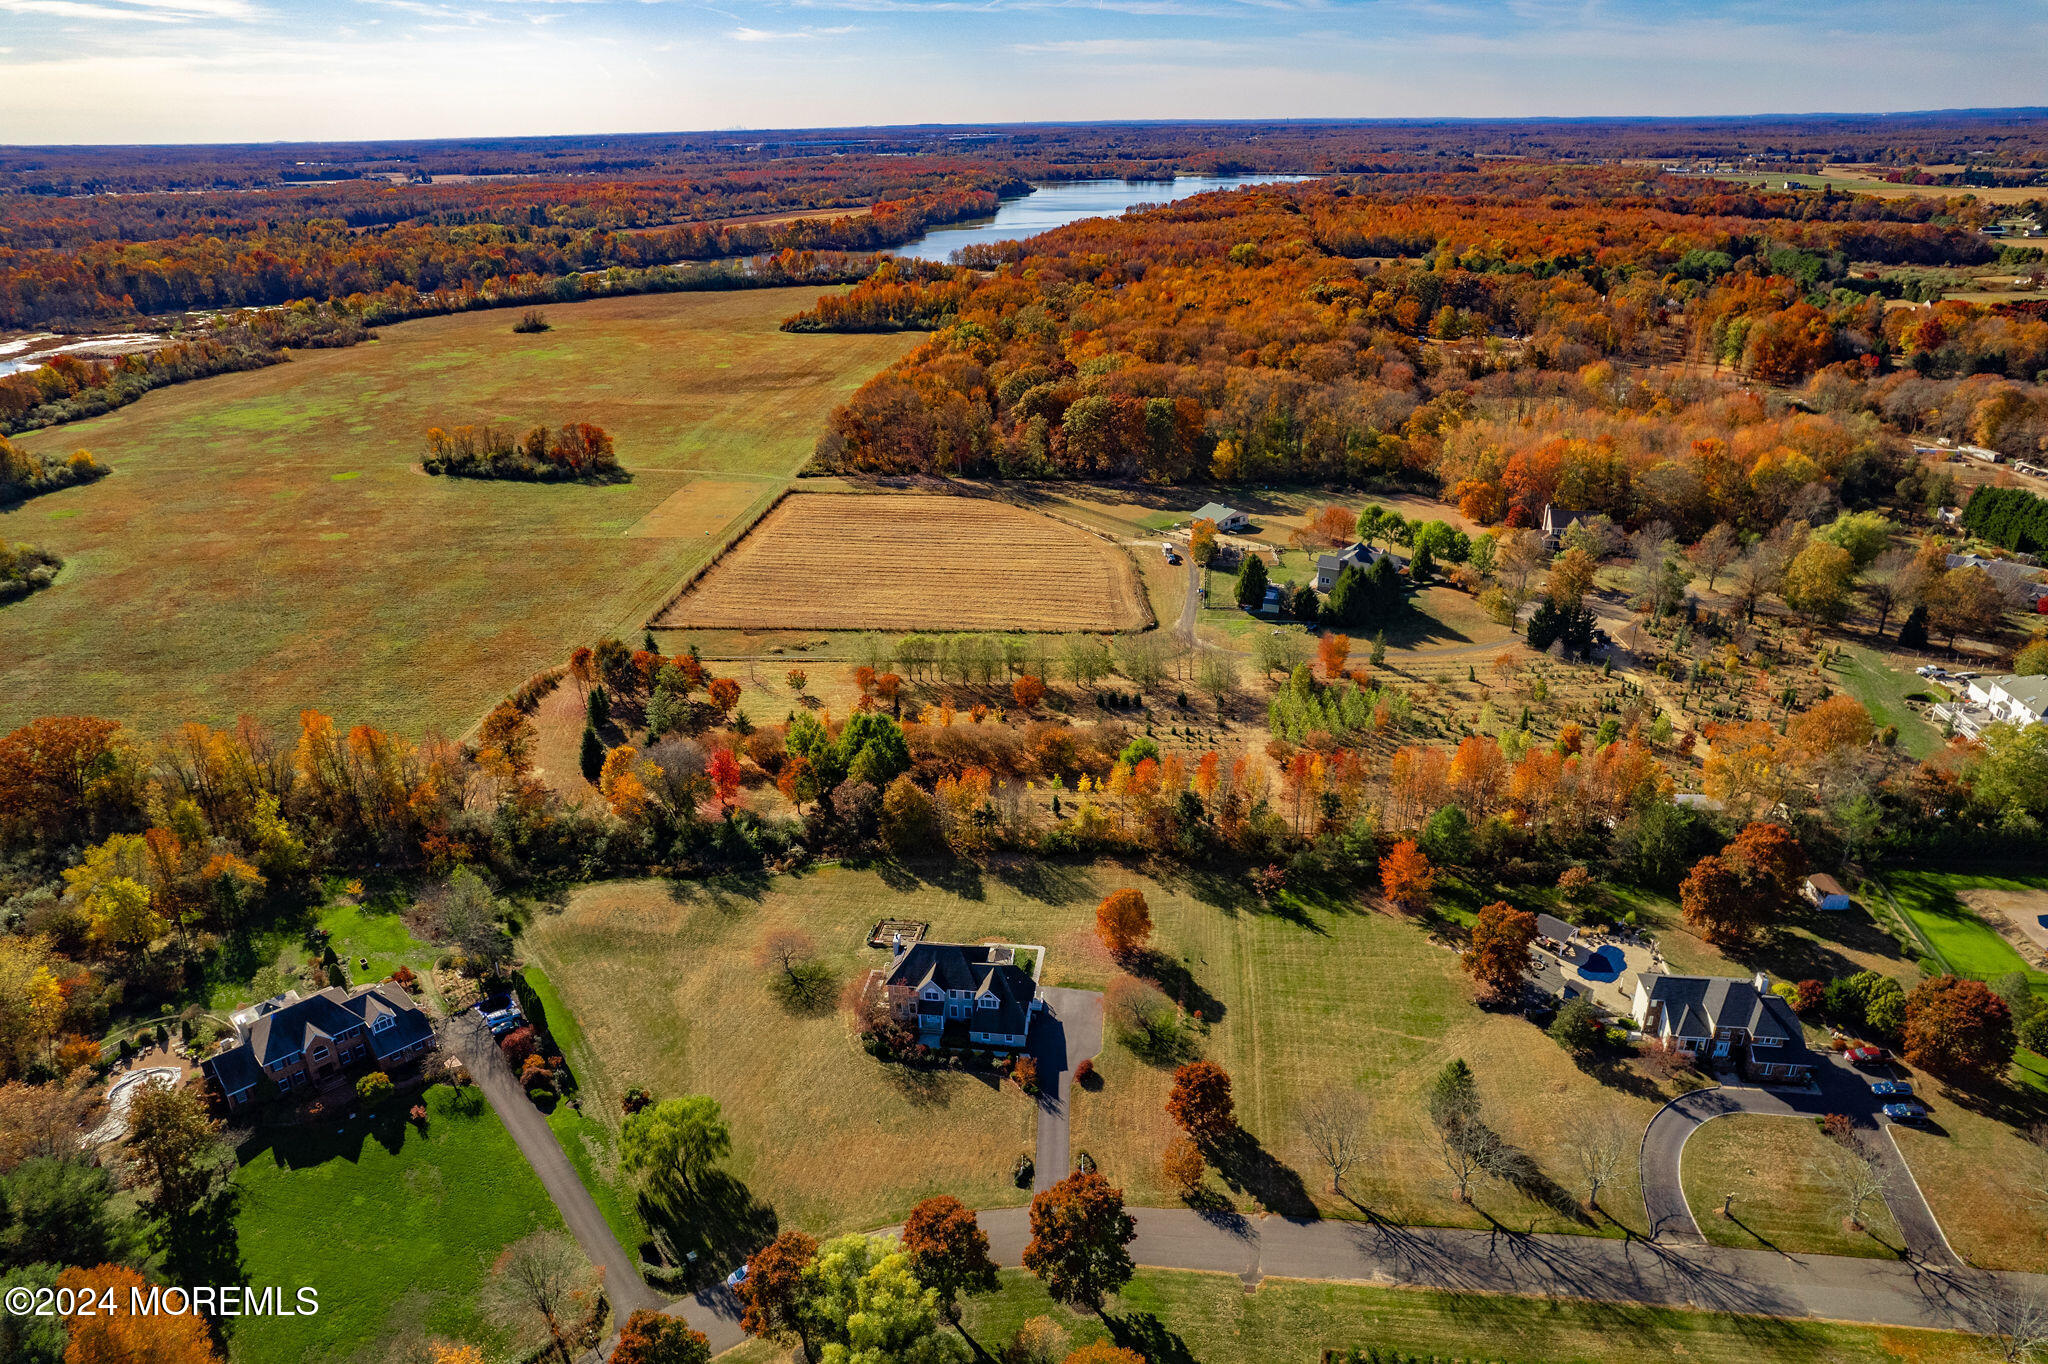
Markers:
point(743, 34)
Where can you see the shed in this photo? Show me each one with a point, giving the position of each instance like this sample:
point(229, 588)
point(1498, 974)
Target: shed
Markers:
point(1825, 892)
point(1226, 518)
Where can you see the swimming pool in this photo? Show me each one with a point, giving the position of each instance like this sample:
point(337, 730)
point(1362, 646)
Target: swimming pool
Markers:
point(1605, 964)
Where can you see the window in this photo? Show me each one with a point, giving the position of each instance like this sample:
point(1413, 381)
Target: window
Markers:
point(988, 1001)
point(383, 1021)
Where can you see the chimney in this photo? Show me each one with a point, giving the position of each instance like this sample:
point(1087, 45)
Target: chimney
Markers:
point(1762, 983)
point(896, 944)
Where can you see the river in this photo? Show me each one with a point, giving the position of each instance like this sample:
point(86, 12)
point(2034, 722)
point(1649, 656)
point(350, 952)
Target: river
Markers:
point(1050, 206)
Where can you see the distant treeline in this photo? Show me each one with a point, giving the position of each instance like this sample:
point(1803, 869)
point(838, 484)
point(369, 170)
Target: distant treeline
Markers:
point(578, 452)
point(2012, 517)
point(70, 388)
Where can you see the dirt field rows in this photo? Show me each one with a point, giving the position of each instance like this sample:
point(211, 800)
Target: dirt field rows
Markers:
point(832, 561)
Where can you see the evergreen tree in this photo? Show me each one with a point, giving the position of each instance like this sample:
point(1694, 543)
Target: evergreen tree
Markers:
point(600, 707)
point(592, 756)
point(1251, 582)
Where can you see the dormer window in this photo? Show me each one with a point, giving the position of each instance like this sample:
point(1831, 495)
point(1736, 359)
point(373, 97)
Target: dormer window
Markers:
point(988, 1001)
point(383, 1021)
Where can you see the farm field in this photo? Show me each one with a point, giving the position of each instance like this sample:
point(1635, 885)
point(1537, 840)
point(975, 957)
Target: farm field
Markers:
point(1781, 1201)
point(1181, 1316)
point(266, 543)
point(827, 561)
point(403, 1225)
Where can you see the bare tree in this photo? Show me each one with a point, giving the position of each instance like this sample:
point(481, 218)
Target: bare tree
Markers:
point(1216, 673)
point(1467, 1147)
point(546, 1278)
point(1333, 1120)
point(1714, 551)
point(1142, 658)
point(1521, 557)
point(1598, 1147)
point(2016, 1326)
point(786, 949)
point(1857, 1180)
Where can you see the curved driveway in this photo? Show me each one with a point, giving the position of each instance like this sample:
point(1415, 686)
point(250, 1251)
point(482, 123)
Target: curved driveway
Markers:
point(1838, 1089)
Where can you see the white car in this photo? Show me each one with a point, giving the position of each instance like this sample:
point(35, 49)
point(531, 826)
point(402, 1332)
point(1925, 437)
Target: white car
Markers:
point(736, 1278)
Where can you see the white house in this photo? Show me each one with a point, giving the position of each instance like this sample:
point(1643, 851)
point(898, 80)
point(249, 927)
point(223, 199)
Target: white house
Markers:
point(2011, 699)
point(1725, 1019)
point(1226, 518)
point(1330, 566)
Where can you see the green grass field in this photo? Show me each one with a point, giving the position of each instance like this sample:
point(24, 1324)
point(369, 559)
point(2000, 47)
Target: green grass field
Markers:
point(1962, 941)
point(1883, 690)
point(1781, 1202)
point(265, 542)
point(396, 1229)
point(1175, 1317)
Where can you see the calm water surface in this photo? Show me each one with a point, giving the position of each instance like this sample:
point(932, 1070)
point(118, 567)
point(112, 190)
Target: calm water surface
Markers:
point(1050, 206)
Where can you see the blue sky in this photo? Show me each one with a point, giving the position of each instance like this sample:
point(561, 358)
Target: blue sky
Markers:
point(247, 70)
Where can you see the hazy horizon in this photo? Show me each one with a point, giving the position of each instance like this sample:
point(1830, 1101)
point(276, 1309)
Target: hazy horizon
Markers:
point(186, 71)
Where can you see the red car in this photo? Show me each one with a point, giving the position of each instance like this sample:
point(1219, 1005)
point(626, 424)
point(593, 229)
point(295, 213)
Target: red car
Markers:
point(1867, 1056)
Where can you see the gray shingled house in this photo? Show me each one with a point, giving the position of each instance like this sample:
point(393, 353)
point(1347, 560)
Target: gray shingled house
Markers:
point(1724, 1018)
point(963, 994)
point(305, 1041)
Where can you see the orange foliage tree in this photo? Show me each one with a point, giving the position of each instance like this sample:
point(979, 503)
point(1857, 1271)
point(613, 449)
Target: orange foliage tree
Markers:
point(1498, 957)
point(126, 1337)
point(1406, 877)
point(1124, 922)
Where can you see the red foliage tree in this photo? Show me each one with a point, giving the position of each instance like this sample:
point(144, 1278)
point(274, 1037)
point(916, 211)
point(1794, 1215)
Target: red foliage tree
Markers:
point(1201, 1102)
point(1079, 1231)
point(726, 776)
point(772, 1294)
point(949, 1250)
point(1499, 955)
point(656, 1338)
point(1959, 1029)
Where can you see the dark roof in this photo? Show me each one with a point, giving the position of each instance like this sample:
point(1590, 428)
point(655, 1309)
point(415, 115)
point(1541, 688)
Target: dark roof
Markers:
point(1357, 553)
point(1557, 519)
point(978, 970)
point(1699, 1006)
point(283, 1031)
point(234, 1071)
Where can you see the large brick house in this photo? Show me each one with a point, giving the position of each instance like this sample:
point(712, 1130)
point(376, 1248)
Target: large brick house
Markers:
point(300, 1042)
point(1724, 1019)
point(962, 993)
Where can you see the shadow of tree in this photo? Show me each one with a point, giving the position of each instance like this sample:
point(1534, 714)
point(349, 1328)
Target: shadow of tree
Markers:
point(1153, 1340)
point(722, 1222)
point(1248, 1168)
point(1178, 983)
point(1049, 883)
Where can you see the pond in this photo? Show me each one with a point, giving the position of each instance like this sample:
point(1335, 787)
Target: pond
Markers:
point(1050, 206)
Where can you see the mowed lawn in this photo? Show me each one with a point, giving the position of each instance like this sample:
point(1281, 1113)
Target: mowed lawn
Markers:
point(1935, 901)
point(663, 985)
point(1883, 690)
point(1179, 1317)
point(397, 1229)
point(266, 544)
point(1774, 1166)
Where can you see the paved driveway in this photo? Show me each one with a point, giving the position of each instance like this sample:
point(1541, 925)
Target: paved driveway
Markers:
point(1839, 1088)
point(1066, 1034)
point(536, 1141)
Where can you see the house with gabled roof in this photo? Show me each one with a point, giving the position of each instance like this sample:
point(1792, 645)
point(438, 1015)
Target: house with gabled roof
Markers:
point(1226, 518)
point(1725, 1019)
point(1556, 521)
point(963, 994)
point(303, 1041)
point(1330, 567)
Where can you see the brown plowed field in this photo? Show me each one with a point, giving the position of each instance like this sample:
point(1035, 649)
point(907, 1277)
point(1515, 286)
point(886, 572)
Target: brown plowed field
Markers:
point(847, 561)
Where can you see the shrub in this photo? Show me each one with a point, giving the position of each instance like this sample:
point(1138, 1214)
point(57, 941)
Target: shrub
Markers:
point(519, 1044)
point(418, 1116)
point(1023, 1171)
point(375, 1089)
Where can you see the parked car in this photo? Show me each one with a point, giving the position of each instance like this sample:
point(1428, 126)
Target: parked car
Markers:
point(1899, 1088)
point(501, 1014)
point(736, 1278)
point(1906, 1113)
point(1867, 1056)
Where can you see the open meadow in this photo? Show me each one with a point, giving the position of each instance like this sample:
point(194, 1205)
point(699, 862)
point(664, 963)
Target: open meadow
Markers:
point(267, 543)
point(834, 561)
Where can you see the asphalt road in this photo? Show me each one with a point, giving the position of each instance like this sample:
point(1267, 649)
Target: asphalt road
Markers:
point(1757, 1282)
point(1839, 1089)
